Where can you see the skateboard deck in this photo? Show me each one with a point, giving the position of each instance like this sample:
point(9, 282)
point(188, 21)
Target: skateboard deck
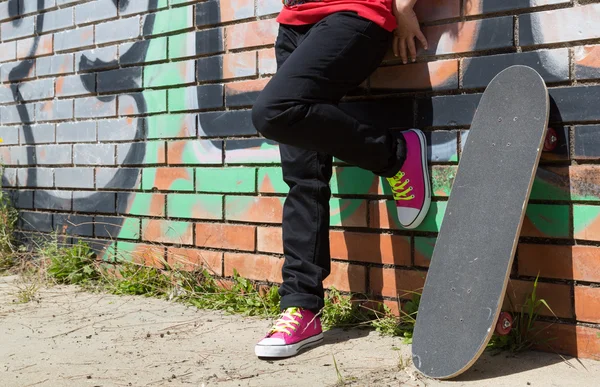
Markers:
point(473, 255)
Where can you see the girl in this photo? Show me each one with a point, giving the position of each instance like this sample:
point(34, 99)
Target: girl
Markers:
point(324, 49)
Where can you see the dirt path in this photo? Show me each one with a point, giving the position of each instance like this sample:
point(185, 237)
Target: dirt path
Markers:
point(71, 338)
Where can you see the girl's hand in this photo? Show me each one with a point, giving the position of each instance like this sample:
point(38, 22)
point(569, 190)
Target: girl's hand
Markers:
point(408, 29)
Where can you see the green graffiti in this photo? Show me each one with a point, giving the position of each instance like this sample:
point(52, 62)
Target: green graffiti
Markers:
point(271, 179)
point(424, 247)
point(584, 216)
point(342, 210)
point(550, 220)
point(195, 206)
point(229, 179)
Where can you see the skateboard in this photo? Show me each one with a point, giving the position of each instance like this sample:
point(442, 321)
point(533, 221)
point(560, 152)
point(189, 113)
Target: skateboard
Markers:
point(473, 255)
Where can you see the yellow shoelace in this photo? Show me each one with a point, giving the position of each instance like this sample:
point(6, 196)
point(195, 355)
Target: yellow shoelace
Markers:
point(286, 326)
point(399, 189)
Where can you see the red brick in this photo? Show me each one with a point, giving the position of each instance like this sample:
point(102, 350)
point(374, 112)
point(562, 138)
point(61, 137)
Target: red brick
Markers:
point(432, 10)
point(254, 266)
point(346, 277)
point(587, 304)
point(371, 248)
point(252, 34)
point(396, 282)
point(194, 259)
point(584, 180)
point(562, 262)
point(418, 76)
point(460, 37)
point(567, 339)
point(558, 297)
point(225, 236)
point(147, 255)
point(356, 218)
point(269, 240)
point(165, 231)
point(588, 56)
point(380, 216)
point(259, 209)
point(165, 177)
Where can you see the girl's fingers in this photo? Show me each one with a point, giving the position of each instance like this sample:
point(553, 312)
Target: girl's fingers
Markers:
point(422, 39)
point(395, 46)
point(410, 42)
point(403, 55)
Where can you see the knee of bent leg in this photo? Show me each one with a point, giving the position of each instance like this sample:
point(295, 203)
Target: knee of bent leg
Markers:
point(268, 118)
point(262, 118)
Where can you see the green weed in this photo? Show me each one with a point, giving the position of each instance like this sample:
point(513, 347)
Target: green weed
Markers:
point(70, 264)
point(8, 222)
point(523, 334)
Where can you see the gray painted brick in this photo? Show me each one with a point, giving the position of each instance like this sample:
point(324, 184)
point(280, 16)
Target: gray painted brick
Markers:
point(36, 177)
point(25, 27)
point(54, 110)
point(6, 94)
point(41, 134)
point(14, 114)
point(9, 135)
point(55, 20)
point(56, 64)
point(124, 152)
point(121, 129)
point(553, 66)
point(8, 9)
point(8, 177)
point(92, 107)
point(8, 51)
point(95, 11)
point(52, 200)
point(97, 58)
point(74, 224)
point(82, 131)
point(34, 90)
point(76, 38)
point(36, 221)
point(22, 199)
point(121, 79)
point(74, 177)
point(116, 178)
point(29, 6)
point(117, 30)
point(94, 154)
point(198, 97)
point(110, 226)
point(79, 84)
point(103, 202)
point(267, 7)
point(53, 154)
point(14, 71)
point(135, 52)
point(17, 155)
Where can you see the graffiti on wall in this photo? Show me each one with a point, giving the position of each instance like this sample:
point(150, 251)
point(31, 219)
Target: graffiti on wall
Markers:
point(459, 37)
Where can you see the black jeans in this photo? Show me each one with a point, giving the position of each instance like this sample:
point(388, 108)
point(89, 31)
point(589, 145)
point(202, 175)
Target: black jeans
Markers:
point(316, 66)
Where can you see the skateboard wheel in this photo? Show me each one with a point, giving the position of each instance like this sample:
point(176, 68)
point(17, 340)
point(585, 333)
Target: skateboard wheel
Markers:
point(551, 140)
point(504, 324)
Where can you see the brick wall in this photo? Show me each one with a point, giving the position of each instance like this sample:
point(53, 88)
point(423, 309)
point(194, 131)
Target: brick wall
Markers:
point(127, 124)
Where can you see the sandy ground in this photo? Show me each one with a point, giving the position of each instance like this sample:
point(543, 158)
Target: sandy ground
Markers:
point(71, 338)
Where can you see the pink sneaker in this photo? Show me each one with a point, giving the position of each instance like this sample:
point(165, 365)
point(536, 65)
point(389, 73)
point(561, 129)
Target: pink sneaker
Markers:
point(411, 187)
point(295, 329)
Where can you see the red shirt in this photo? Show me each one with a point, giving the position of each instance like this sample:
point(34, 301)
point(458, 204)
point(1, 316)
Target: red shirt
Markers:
point(378, 11)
